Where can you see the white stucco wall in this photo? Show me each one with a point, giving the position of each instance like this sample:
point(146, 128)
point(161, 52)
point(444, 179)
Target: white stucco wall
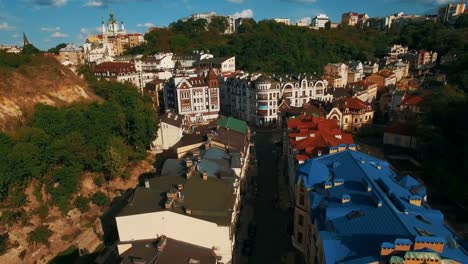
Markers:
point(177, 226)
point(168, 136)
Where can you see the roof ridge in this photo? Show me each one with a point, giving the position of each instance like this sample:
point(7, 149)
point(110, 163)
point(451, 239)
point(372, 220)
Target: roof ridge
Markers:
point(385, 197)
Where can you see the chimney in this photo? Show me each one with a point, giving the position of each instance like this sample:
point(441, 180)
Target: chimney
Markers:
point(345, 198)
point(205, 175)
point(168, 203)
point(188, 162)
point(147, 184)
point(162, 243)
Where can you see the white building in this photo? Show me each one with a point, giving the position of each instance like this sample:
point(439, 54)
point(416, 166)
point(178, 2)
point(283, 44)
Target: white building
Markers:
point(256, 98)
point(319, 21)
point(170, 131)
point(197, 98)
point(207, 16)
point(285, 21)
point(98, 52)
point(225, 65)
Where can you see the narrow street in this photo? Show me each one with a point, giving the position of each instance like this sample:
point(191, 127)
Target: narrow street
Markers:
point(272, 241)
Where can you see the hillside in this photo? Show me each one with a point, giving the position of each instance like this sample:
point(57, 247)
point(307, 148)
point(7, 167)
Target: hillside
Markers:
point(40, 80)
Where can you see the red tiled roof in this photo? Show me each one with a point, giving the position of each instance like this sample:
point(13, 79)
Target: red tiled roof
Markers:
point(115, 67)
point(409, 99)
point(317, 135)
point(364, 83)
point(386, 73)
point(351, 103)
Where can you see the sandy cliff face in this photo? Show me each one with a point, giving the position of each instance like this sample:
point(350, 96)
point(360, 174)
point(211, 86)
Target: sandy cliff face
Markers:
point(44, 81)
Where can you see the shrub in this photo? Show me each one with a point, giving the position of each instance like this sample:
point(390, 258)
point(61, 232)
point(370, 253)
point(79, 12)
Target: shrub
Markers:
point(82, 203)
point(43, 212)
point(100, 199)
point(3, 243)
point(39, 235)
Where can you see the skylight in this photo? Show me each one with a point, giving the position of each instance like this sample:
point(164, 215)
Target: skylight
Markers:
point(422, 219)
point(355, 214)
point(423, 232)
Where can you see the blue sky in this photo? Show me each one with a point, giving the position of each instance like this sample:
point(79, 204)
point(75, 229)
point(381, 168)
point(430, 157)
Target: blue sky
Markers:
point(50, 22)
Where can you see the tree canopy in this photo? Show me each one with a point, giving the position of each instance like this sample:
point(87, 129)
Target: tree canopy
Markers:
point(59, 143)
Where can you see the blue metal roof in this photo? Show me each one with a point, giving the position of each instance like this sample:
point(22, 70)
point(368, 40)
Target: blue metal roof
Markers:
point(400, 241)
point(357, 229)
point(317, 169)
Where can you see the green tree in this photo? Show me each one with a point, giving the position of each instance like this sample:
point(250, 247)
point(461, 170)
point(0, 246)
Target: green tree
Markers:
point(57, 48)
point(40, 235)
point(30, 49)
point(100, 199)
point(218, 24)
point(62, 185)
point(3, 243)
point(82, 203)
point(116, 157)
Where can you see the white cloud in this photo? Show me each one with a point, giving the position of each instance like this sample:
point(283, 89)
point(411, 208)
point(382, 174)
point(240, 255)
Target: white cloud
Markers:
point(306, 20)
point(15, 36)
point(5, 26)
point(94, 3)
point(58, 34)
point(236, 1)
point(147, 24)
point(247, 13)
point(50, 29)
point(86, 32)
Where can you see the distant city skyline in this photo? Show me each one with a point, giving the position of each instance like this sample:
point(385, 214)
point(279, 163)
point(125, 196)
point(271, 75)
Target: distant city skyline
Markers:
point(50, 22)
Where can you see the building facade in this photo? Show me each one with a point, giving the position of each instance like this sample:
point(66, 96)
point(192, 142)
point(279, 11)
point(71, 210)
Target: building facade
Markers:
point(256, 98)
point(353, 208)
point(112, 41)
point(319, 21)
point(71, 55)
point(450, 12)
point(196, 98)
point(336, 74)
point(351, 113)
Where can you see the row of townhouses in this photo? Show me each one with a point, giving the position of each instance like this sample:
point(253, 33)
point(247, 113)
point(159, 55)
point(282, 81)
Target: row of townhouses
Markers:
point(194, 199)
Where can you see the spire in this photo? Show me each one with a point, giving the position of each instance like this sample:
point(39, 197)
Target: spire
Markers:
point(25, 40)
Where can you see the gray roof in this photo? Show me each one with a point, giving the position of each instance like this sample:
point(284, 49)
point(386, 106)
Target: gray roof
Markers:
point(210, 200)
point(170, 252)
point(172, 118)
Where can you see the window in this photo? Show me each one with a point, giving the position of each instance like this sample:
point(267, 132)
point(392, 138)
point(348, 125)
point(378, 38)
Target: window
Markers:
point(301, 199)
point(299, 237)
point(355, 120)
point(346, 120)
point(300, 220)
